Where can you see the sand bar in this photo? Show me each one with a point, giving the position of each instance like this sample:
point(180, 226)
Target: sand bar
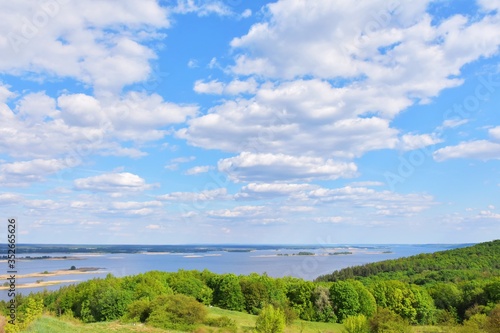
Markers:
point(38, 284)
point(89, 270)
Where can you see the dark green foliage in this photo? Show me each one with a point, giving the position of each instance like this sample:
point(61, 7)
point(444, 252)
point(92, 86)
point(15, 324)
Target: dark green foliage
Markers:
point(446, 296)
point(451, 265)
point(227, 292)
point(255, 293)
point(345, 300)
point(300, 297)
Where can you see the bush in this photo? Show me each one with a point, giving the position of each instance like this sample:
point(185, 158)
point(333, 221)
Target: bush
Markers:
point(356, 324)
point(223, 321)
point(386, 321)
point(270, 320)
point(176, 312)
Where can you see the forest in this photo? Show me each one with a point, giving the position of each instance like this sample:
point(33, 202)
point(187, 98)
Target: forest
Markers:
point(450, 291)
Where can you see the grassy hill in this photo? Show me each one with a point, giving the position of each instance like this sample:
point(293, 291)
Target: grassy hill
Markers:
point(245, 323)
point(468, 263)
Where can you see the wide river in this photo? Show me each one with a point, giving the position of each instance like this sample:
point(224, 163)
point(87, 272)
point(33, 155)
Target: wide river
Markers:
point(276, 262)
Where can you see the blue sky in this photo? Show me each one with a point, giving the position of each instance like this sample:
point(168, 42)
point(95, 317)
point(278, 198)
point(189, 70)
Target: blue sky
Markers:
point(289, 121)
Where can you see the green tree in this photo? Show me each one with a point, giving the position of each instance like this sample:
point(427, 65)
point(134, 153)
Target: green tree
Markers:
point(345, 300)
point(270, 320)
point(367, 303)
point(228, 294)
point(322, 305)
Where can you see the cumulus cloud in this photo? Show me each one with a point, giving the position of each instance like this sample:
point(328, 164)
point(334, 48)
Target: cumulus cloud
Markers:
point(23, 173)
point(279, 167)
point(77, 125)
point(71, 39)
point(480, 149)
point(417, 141)
point(112, 182)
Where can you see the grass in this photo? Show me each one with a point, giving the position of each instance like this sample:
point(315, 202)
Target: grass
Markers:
point(245, 323)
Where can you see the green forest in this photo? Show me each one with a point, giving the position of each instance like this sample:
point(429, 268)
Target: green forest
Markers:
point(450, 291)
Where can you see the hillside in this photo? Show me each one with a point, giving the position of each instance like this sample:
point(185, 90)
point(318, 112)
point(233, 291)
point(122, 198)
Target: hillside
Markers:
point(451, 265)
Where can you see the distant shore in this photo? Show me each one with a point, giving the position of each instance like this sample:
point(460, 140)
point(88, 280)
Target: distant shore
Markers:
point(39, 284)
point(83, 270)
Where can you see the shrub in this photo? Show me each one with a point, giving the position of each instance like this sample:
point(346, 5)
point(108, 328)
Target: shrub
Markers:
point(176, 312)
point(270, 320)
point(386, 321)
point(356, 324)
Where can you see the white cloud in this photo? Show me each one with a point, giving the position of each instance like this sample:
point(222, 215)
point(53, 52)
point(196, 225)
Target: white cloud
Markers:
point(452, 123)
point(80, 125)
point(234, 87)
point(257, 191)
point(112, 182)
point(495, 133)
point(238, 212)
point(246, 13)
point(417, 141)
point(211, 87)
point(206, 195)
point(197, 170)
point(292, 117)
point(10, 199)
point(202, 7)
point(23, 173)
point(480, 149)
point(153, 227)
point(279, 167)
point(72, 39)
point(385, 203)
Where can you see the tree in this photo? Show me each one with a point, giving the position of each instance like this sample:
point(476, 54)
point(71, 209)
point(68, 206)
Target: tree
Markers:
point(322, 305)
point(270, 320)
point(345, 300)
point(228, 294)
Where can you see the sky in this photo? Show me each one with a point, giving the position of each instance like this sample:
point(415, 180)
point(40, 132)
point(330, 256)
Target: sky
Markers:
point(250, 121)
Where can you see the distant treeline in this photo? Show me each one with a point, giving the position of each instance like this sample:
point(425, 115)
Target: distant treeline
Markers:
point(451, 265)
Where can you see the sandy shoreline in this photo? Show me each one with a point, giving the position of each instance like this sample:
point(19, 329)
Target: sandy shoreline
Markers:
point(38, 284)
point(56, 273)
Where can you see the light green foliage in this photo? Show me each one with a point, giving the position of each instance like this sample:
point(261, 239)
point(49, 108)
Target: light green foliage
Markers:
point(345, 300)
point(367, 303)
point(409, 301)
point(386, 321)
point(356, 324)
point(187, 283)
point(270, 320)
point(176, 312)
